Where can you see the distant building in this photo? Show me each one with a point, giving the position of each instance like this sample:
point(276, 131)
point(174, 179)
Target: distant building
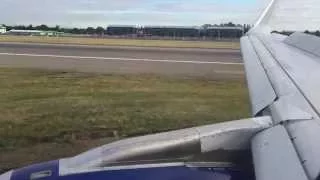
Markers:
point(121, 30)
point(171, 31)
point(25, 32)
point(53, 33)
point(224, 32)
point(3, 29)
point(178, 32)
point(34, 33)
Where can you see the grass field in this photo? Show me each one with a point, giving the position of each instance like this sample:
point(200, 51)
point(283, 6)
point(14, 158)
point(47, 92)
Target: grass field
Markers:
point(48, 115)
point(122, 42)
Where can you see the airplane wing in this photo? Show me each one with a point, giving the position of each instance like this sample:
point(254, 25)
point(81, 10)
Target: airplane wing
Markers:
point(283, 78)
point(283, 74)
point(280, 142)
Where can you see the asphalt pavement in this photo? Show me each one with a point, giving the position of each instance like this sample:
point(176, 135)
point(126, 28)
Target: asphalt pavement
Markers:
point(190, 62)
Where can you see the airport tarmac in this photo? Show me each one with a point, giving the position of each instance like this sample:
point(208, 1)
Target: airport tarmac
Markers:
point(189, 62)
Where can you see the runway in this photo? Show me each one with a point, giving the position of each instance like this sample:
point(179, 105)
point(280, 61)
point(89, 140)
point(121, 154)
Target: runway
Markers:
point(209, 63)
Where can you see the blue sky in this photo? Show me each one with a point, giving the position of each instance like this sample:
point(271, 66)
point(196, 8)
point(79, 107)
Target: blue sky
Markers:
point(129, 12)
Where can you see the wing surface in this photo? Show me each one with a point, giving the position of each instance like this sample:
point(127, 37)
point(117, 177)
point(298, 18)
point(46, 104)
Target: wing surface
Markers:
point(283, 74)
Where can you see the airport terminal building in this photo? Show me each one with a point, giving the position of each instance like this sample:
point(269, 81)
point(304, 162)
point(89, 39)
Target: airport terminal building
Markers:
point(3, 29)
point(180, 32)
point(33, 33)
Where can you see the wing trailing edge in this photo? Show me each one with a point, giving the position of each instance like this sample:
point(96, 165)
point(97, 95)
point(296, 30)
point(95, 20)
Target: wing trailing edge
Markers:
point(261, 91)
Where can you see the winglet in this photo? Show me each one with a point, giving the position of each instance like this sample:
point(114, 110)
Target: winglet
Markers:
point(265, 16)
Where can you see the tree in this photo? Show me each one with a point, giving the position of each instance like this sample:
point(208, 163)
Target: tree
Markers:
point(90, 30)
point(20, 27)
point(230, 24)
point(75, 31)
point(42, 27)
point(57, 28)
point(246, 27)
point(206, 26)
point(100, 30)
point(9, 27)
point(30, 27)
point(82, 31)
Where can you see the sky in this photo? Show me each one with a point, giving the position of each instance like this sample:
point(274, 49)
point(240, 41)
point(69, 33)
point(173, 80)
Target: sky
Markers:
point(298, 15)
point(84, 13)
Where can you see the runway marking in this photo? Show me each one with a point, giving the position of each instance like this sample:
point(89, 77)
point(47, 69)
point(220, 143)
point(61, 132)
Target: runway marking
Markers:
point(121, 59)
point(229, 72)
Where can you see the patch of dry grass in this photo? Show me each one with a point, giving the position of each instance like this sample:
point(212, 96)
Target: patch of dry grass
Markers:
point(122, 42)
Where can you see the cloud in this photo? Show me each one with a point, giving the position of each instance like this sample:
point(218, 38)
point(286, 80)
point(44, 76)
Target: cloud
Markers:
point(140, 12)
point(296, 15)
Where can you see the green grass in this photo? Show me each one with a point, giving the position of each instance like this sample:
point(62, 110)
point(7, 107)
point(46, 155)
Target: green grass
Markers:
point(122, 42)
point(58, 109)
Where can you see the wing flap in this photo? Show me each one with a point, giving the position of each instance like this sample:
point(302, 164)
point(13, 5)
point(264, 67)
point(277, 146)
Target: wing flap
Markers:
point(274, 156)
point(260, 89)
point(304, 42)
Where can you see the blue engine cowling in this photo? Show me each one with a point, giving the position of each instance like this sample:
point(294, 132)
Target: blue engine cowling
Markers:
point(170, 171)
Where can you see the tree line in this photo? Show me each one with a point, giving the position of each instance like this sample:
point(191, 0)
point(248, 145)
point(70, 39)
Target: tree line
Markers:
point(288, 33)
point(89, 30)
point(317, 33)
point(100, 30)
